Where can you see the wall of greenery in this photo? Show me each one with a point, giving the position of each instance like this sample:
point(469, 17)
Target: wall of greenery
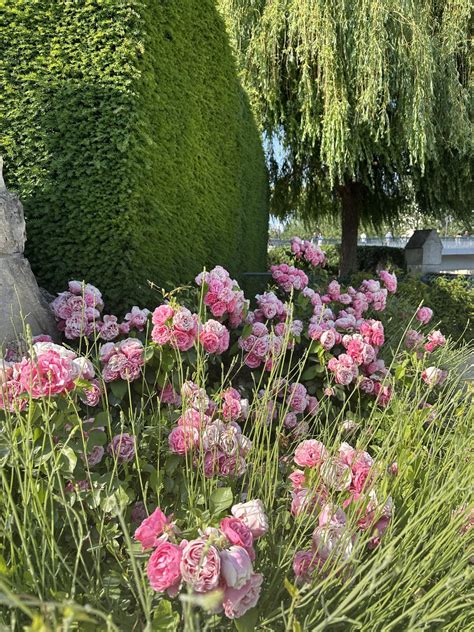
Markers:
point(131, 143)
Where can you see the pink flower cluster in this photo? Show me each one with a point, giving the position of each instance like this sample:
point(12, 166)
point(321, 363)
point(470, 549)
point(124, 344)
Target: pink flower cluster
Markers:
point(351, 474)
point(304, 250)
point(123, 360)
point(261, 346)
point(214, 337)
point(218, 562)
point(223, 295)
point(177, 327)
point(78, 313)
point(51, 370)
point(296, 404)
point(219, 447)
point(289, 278)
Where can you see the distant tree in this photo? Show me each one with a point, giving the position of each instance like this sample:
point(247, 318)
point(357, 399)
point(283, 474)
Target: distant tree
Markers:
point(368, 101)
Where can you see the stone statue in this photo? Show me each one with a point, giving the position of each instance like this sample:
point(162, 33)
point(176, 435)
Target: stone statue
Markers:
point(20, 297)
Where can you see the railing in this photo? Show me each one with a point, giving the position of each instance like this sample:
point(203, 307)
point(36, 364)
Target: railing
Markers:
point(449, 243)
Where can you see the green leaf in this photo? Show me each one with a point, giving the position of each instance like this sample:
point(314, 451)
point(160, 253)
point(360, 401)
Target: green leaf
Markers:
point(310, 373)
point(68, 459)
point(119, 388)
point(164, 619)
point(248, 622)
point(221, 499)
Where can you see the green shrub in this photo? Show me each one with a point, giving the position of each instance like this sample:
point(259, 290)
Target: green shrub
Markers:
point(131, 143)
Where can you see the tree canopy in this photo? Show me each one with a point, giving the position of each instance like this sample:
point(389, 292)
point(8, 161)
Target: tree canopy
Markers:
point(370, 101)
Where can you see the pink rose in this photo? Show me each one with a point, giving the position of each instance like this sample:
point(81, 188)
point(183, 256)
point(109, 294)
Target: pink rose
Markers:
point(48, 374)
point(424, 315)
point(164, 568)
point(237, 532)
point(210, 341)
point(151, 528)
point(200, 565)
point(305, 565)
point(238, 601)
point(310, 453)
point(183, 438)
point(253, 515)
point(236, 566)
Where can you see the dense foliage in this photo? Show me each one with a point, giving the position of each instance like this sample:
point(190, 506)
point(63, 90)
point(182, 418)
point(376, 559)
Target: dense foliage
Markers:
point(290, 467)
point(369, 101)
point(130, 141)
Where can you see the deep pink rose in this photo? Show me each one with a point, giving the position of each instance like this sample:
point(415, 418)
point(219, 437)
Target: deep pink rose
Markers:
point(237, 532)
point(163, 568)
point(183, 438)
point(151, 529)
point(424, 315)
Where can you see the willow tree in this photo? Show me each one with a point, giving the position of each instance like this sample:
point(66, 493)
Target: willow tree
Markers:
point(369, 100)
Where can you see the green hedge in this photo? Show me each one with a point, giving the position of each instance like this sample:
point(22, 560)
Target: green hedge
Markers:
point(131, 143)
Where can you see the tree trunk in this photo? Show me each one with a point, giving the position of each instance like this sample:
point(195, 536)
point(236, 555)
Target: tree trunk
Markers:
point(351, 202)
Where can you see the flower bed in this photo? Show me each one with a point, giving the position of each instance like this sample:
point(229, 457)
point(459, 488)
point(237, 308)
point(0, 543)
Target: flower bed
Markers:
point(153, 456)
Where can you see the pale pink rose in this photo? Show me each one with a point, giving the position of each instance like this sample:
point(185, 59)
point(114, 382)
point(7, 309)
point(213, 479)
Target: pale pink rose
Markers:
point(336, 474)
point(151, 529)
point(424, 315)
point(433, 376)
point(328, 339)
point(252, 513)
point(181, 439)
point(238, 601)
point(252, 361)
point(331, 541)
point(164, 568)
point(310, 453)
point(161, 334)
point(108, 328)
point(200, 565)
point(137, 318)
point(236, 566)
point(184, 320)
point(84, 368)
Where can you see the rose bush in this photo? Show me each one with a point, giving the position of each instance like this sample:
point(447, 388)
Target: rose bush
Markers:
point(203, 405)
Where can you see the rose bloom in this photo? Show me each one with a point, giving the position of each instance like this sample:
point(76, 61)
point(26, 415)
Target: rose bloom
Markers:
point(151, 529)
point(164, 568)
point(310, 453)
point(122, 447)
point(91, 394)
point(161, 314)
point(94, 457)
point(238, 601)
point(253, 515)
point(237, 532)
point(183, 438)
point(48, 374)
point(305, 564)
point(236, 566)
point(424, 315)
point(200, 565)
point(433, 376)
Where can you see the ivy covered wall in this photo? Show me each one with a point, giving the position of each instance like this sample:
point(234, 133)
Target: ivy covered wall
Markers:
point(131, 143)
